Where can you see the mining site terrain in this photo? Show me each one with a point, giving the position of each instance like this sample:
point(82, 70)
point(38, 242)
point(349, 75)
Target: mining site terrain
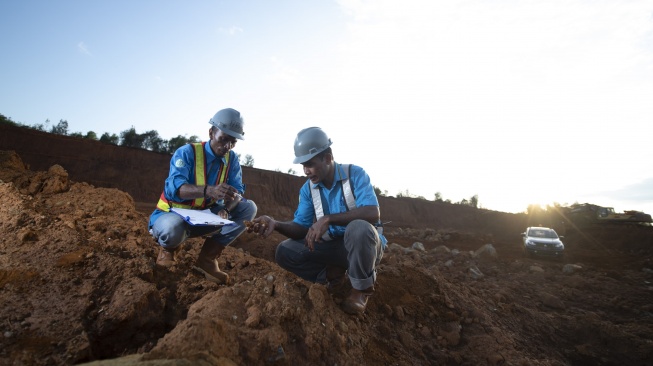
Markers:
point(79, 285)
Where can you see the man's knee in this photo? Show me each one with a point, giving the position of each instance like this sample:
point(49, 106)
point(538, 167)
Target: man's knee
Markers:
point(287, 254)
point(247, 210)
point(169, 230)
point(169, 236)
point(280, 254)
point(250, 208)
point(360, 229)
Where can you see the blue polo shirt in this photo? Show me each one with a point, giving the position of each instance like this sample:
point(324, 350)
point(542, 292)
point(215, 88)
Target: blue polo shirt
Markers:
point(182, 171)
point(333, 200)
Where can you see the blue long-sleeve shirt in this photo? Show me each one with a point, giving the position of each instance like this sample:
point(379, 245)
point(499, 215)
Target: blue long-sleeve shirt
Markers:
point(182, 171)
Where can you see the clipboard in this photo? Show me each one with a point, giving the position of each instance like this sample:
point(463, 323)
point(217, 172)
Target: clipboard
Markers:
point(201, 217)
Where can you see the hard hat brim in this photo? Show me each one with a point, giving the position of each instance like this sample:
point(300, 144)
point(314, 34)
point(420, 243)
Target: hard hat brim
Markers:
point(304, 158)
point(231, 133)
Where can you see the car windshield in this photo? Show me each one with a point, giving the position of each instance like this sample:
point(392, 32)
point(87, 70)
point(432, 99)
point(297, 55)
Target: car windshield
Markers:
point(542, 233)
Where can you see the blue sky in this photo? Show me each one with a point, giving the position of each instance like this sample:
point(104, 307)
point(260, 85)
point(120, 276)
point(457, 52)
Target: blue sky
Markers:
point(517, 102)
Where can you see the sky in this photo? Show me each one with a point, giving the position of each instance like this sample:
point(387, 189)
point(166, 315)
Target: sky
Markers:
point(516, 102)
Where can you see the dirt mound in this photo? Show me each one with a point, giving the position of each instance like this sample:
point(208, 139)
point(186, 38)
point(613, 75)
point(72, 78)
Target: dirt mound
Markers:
point(78, 284)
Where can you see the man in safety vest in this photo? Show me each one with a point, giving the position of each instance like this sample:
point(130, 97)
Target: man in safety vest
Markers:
point(204, 175)
point(336, 227)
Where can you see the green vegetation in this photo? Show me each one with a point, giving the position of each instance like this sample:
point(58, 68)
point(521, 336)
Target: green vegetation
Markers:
point(8, 121)
point(149, 140)
point(249, 161)
point(472, 201)
point(535, 209)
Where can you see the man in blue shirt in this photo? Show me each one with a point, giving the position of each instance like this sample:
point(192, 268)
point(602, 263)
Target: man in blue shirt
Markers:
point(204, 175)
point(333, 230)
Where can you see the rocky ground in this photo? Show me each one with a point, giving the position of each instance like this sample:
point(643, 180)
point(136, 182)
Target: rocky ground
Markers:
point(78, 284)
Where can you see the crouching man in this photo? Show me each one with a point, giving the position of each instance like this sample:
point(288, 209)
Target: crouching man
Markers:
point(204, 175)
point(334, 230)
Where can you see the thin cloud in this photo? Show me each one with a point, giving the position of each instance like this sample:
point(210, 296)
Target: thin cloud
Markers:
point(283, 74)
point(642, 191)
point(633, 196)
point(82, 48)
point(231, 31)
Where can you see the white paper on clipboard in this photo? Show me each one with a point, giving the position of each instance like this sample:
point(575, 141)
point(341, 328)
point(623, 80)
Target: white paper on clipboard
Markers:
point(201, 217)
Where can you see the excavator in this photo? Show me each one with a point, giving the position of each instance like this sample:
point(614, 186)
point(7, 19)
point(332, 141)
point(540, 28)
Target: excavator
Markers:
point(586, 214)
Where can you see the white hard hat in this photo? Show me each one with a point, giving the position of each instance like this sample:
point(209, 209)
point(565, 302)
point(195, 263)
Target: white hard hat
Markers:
point(229, 121)
point(310, 142)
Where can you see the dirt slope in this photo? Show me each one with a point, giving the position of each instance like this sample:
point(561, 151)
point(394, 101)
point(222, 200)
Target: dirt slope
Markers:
point(78, 284)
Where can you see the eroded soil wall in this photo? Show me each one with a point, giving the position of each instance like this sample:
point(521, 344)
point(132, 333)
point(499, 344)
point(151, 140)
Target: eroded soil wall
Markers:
point(141, 174)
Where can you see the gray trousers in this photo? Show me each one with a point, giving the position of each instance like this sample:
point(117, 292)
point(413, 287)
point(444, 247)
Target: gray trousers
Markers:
point(170, 229)
point(359, 252)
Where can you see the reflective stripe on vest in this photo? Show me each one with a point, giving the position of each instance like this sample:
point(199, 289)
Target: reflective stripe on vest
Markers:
point(347, 192)
point(200, 180)
point(200, 173)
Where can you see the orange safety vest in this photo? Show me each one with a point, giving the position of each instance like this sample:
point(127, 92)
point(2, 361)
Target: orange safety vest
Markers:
point(199, 203)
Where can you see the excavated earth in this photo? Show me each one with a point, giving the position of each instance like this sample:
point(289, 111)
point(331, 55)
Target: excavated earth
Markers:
point(78, 285)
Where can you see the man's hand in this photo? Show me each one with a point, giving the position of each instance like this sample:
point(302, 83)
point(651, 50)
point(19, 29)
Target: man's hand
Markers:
point(316, 231)
point(263, 226)
point(221, 192)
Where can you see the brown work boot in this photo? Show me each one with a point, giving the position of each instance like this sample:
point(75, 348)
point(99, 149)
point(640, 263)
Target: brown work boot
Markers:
point(357, 301)
point(166, 257)
point(336, 278)
point(207, 262)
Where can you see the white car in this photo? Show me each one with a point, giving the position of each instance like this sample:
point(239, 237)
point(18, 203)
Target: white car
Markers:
point(542, 241)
